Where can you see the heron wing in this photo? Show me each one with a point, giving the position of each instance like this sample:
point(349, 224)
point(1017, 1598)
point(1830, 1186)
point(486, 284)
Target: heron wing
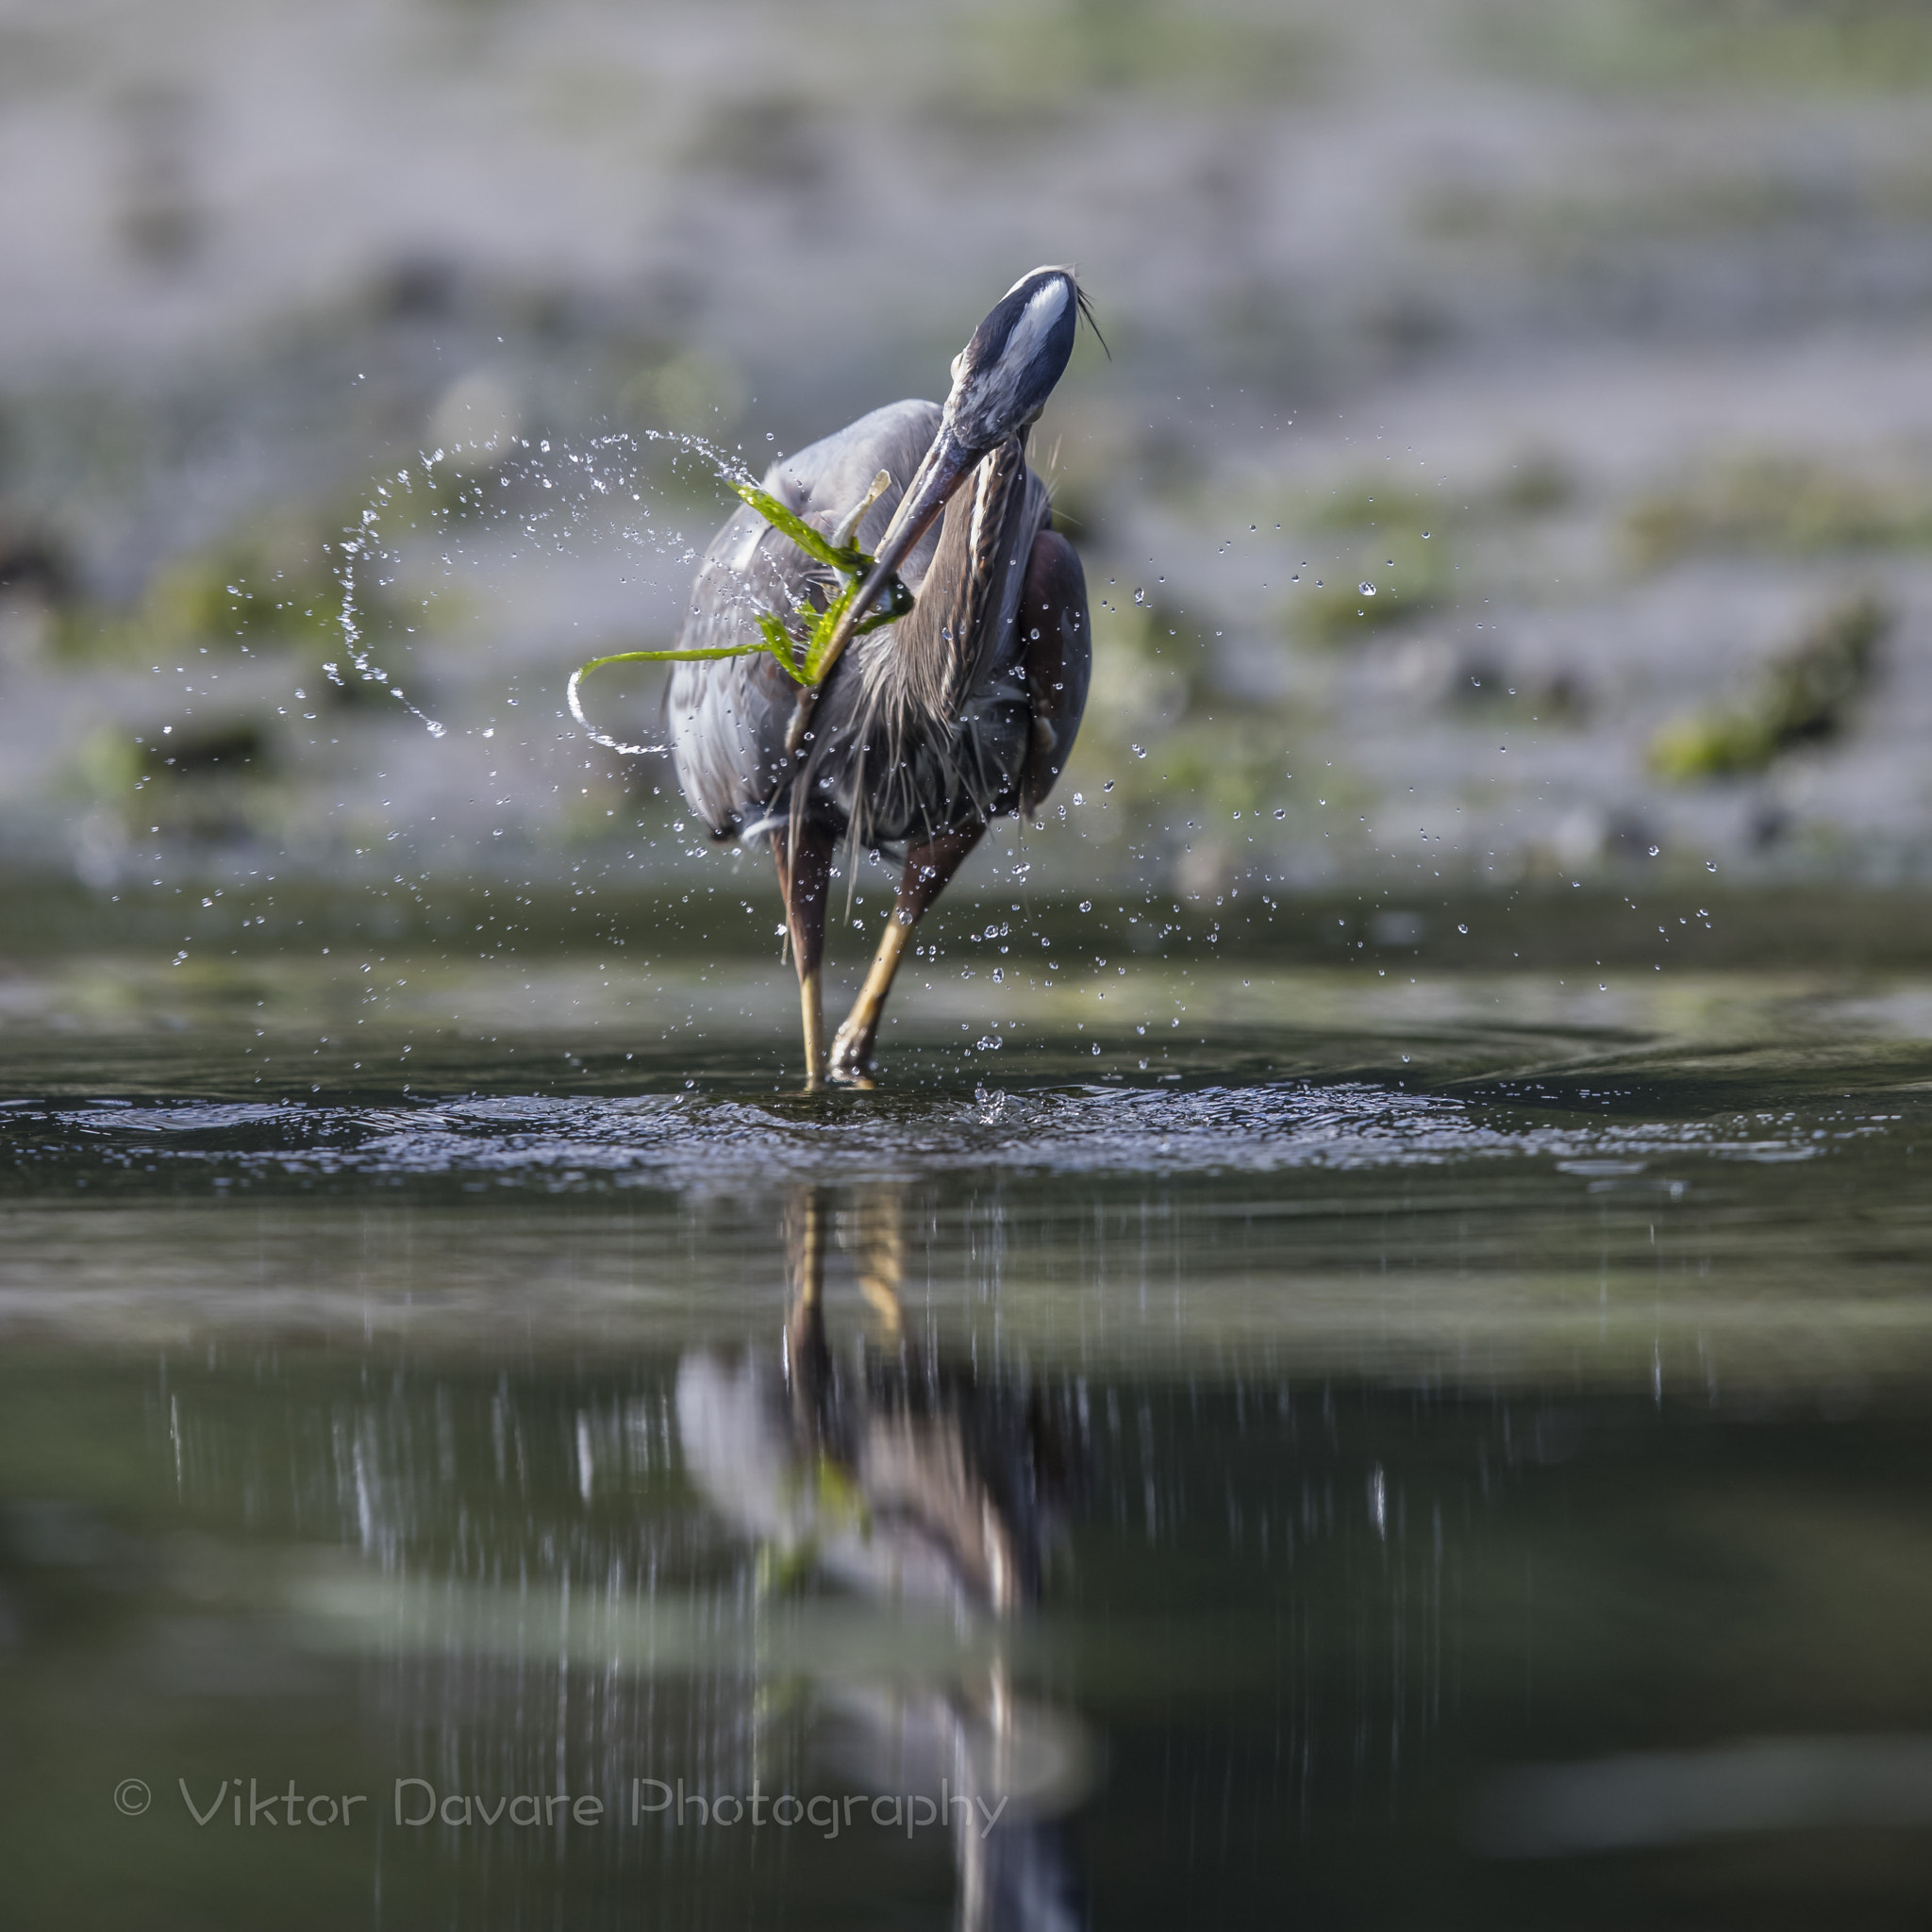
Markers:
point(726, 719)
point(1057, 647)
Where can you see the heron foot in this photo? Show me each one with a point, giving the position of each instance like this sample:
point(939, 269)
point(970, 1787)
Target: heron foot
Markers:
point(850, 1063)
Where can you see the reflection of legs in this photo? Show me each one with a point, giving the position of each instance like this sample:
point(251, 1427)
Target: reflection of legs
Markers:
point(806, 1356)
point(804, 876)
point(880, 1258)
point(928, 868)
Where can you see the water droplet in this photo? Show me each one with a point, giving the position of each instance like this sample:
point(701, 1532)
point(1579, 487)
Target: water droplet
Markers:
point(1425, 536)
point(1108, 786)
point(1710, 865)
point(1086, 905)
point(1281, 811)
point(1462, 928)
point(1367, 589)
point(1653, 851)
point(1141, 752)
point(1140, 595)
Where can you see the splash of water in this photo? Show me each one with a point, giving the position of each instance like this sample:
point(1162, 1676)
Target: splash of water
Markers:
point(608, 468)
point(363, 539)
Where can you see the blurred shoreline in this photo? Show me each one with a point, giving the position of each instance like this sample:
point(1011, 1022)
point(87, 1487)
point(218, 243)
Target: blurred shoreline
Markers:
point(1514, 465)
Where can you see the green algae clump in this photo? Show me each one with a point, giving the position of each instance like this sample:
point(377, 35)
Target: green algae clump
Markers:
point(1803, 695)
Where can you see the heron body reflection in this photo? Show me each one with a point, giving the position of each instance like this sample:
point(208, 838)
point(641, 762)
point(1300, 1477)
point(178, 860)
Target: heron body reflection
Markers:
point(929, 726)
point(904, 1480)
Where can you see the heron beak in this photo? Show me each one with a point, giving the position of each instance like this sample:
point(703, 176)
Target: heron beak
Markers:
point(945, 466)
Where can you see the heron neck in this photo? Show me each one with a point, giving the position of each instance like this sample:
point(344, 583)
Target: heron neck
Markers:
point(934, 651)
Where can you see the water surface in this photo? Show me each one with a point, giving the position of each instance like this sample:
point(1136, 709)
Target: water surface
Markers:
point(1451, 1452)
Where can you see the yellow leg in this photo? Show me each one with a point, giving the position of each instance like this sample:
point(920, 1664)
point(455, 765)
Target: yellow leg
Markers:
point(851, 1050)
point(927, 869)
point(805, 871)
point(811, 1002)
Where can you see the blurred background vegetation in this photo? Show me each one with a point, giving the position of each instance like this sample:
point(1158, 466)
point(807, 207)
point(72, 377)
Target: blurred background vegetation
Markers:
point(1514, 464)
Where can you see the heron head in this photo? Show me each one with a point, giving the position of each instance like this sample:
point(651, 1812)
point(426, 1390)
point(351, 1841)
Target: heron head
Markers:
point(1003, 376)
point(1000, 381)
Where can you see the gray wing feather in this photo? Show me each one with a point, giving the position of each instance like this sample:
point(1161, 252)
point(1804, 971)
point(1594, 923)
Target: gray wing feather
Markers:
point(1056, 644)
point(726, 719)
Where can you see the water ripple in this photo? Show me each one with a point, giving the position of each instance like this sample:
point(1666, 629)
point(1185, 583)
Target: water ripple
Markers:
point(692, 1140)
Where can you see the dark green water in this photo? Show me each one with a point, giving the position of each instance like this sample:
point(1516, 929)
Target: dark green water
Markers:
point(1452, 1455)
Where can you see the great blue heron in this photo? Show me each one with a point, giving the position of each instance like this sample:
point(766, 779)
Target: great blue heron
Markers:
point(930, 727)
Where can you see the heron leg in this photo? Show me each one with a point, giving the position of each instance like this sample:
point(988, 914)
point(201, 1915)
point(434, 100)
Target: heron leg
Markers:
point(805, 874)
point(929, 868)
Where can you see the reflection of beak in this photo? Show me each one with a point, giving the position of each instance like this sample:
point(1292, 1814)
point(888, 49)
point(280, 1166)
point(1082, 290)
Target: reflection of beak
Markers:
point(945, 466)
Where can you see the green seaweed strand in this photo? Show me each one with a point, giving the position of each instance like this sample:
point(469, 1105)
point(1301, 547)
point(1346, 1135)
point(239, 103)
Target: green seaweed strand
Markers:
point(802, 663)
